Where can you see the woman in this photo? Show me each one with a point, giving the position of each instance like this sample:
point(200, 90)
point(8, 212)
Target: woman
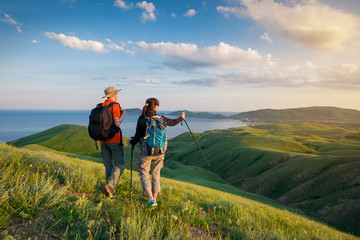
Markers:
point(151, 157)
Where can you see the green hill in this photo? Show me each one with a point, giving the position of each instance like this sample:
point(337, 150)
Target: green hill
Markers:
point(66, 138)
point(47, 195)
point(74, 141)
point(309, 166)
point(309, 114)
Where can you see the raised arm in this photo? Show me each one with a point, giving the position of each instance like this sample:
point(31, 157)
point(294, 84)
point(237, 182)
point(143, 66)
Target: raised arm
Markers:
point(173, 122)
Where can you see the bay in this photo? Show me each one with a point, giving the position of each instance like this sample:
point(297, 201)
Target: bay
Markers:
point(16, 124)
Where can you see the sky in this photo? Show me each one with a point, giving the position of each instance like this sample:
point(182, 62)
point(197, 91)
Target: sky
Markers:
point(198, 55)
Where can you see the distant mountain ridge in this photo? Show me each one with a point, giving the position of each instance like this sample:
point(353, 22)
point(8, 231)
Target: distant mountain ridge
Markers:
point(307, 114)
point(199, 114)
point(133, 111)
point(310, 114)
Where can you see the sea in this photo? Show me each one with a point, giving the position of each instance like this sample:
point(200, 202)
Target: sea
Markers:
point(15, 124)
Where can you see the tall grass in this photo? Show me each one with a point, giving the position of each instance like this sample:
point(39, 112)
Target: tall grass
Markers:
point(25, 192)
point(61, 197)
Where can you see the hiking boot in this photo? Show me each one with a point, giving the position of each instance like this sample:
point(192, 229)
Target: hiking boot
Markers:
point(108, 190)
point(152, 203)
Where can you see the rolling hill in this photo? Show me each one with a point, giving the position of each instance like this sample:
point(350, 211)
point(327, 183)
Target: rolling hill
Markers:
point(308, 114)
point(46, 195)
point(309, 166)
point(74, 141)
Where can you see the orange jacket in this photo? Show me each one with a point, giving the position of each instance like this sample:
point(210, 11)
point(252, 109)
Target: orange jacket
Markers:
point(115, 109)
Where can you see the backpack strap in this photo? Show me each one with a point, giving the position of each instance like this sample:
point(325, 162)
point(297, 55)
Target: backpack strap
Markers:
point(111, 105)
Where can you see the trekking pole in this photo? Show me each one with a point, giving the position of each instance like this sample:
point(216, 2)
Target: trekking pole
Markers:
point(131, 167)
point(196, 143)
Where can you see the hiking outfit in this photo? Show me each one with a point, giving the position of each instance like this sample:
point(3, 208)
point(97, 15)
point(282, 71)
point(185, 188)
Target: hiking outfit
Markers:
point(113, 152)
point(148, 161)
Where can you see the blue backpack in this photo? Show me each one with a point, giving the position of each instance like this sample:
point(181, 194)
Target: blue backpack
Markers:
point(155, 136)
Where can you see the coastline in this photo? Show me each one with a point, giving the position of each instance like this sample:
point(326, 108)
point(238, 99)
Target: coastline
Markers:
point(15, 124)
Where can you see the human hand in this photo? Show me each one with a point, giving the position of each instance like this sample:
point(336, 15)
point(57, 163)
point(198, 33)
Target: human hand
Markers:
point(123, 112)
point(182, 115)
point(132, 145)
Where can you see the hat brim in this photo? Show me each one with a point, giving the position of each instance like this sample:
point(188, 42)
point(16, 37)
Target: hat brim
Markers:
point(112, 94)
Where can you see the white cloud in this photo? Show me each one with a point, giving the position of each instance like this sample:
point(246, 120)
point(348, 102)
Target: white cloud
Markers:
point(76, 43)
point(149, 8)
point(88, 45)
point(186, 55)
point(114, 46)
point(310, 65)
point(342, 76)
point(173, 15)
point(250, 77)
point(190, 13)
point(11, 21)
point(266, 37)
point(308, 22)
point(35, 41)
point(121, 4)
point(237, 11)
point(18, 28)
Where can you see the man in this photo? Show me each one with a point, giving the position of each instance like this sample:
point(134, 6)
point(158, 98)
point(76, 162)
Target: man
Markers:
point(112, 150)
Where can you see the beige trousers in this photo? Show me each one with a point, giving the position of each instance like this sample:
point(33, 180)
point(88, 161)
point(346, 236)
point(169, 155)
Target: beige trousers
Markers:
point(147, 163)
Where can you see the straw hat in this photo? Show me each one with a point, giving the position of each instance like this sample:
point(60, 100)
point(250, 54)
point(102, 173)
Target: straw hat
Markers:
point(110, 91)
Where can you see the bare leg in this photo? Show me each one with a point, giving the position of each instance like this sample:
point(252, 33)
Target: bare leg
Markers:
point(149, 193)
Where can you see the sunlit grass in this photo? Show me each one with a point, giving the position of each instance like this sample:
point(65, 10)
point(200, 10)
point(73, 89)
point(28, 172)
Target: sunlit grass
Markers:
point(62, 196)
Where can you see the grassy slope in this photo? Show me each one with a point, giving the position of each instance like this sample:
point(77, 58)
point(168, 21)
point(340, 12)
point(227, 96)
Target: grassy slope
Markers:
point(66, 138)
point(287, 162)
point(74, 141)
point(48, 195)
point(313, 167)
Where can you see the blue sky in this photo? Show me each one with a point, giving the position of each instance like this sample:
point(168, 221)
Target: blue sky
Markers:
point(226, 55)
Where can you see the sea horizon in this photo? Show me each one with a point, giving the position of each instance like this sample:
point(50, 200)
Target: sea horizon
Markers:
point(16, 124)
